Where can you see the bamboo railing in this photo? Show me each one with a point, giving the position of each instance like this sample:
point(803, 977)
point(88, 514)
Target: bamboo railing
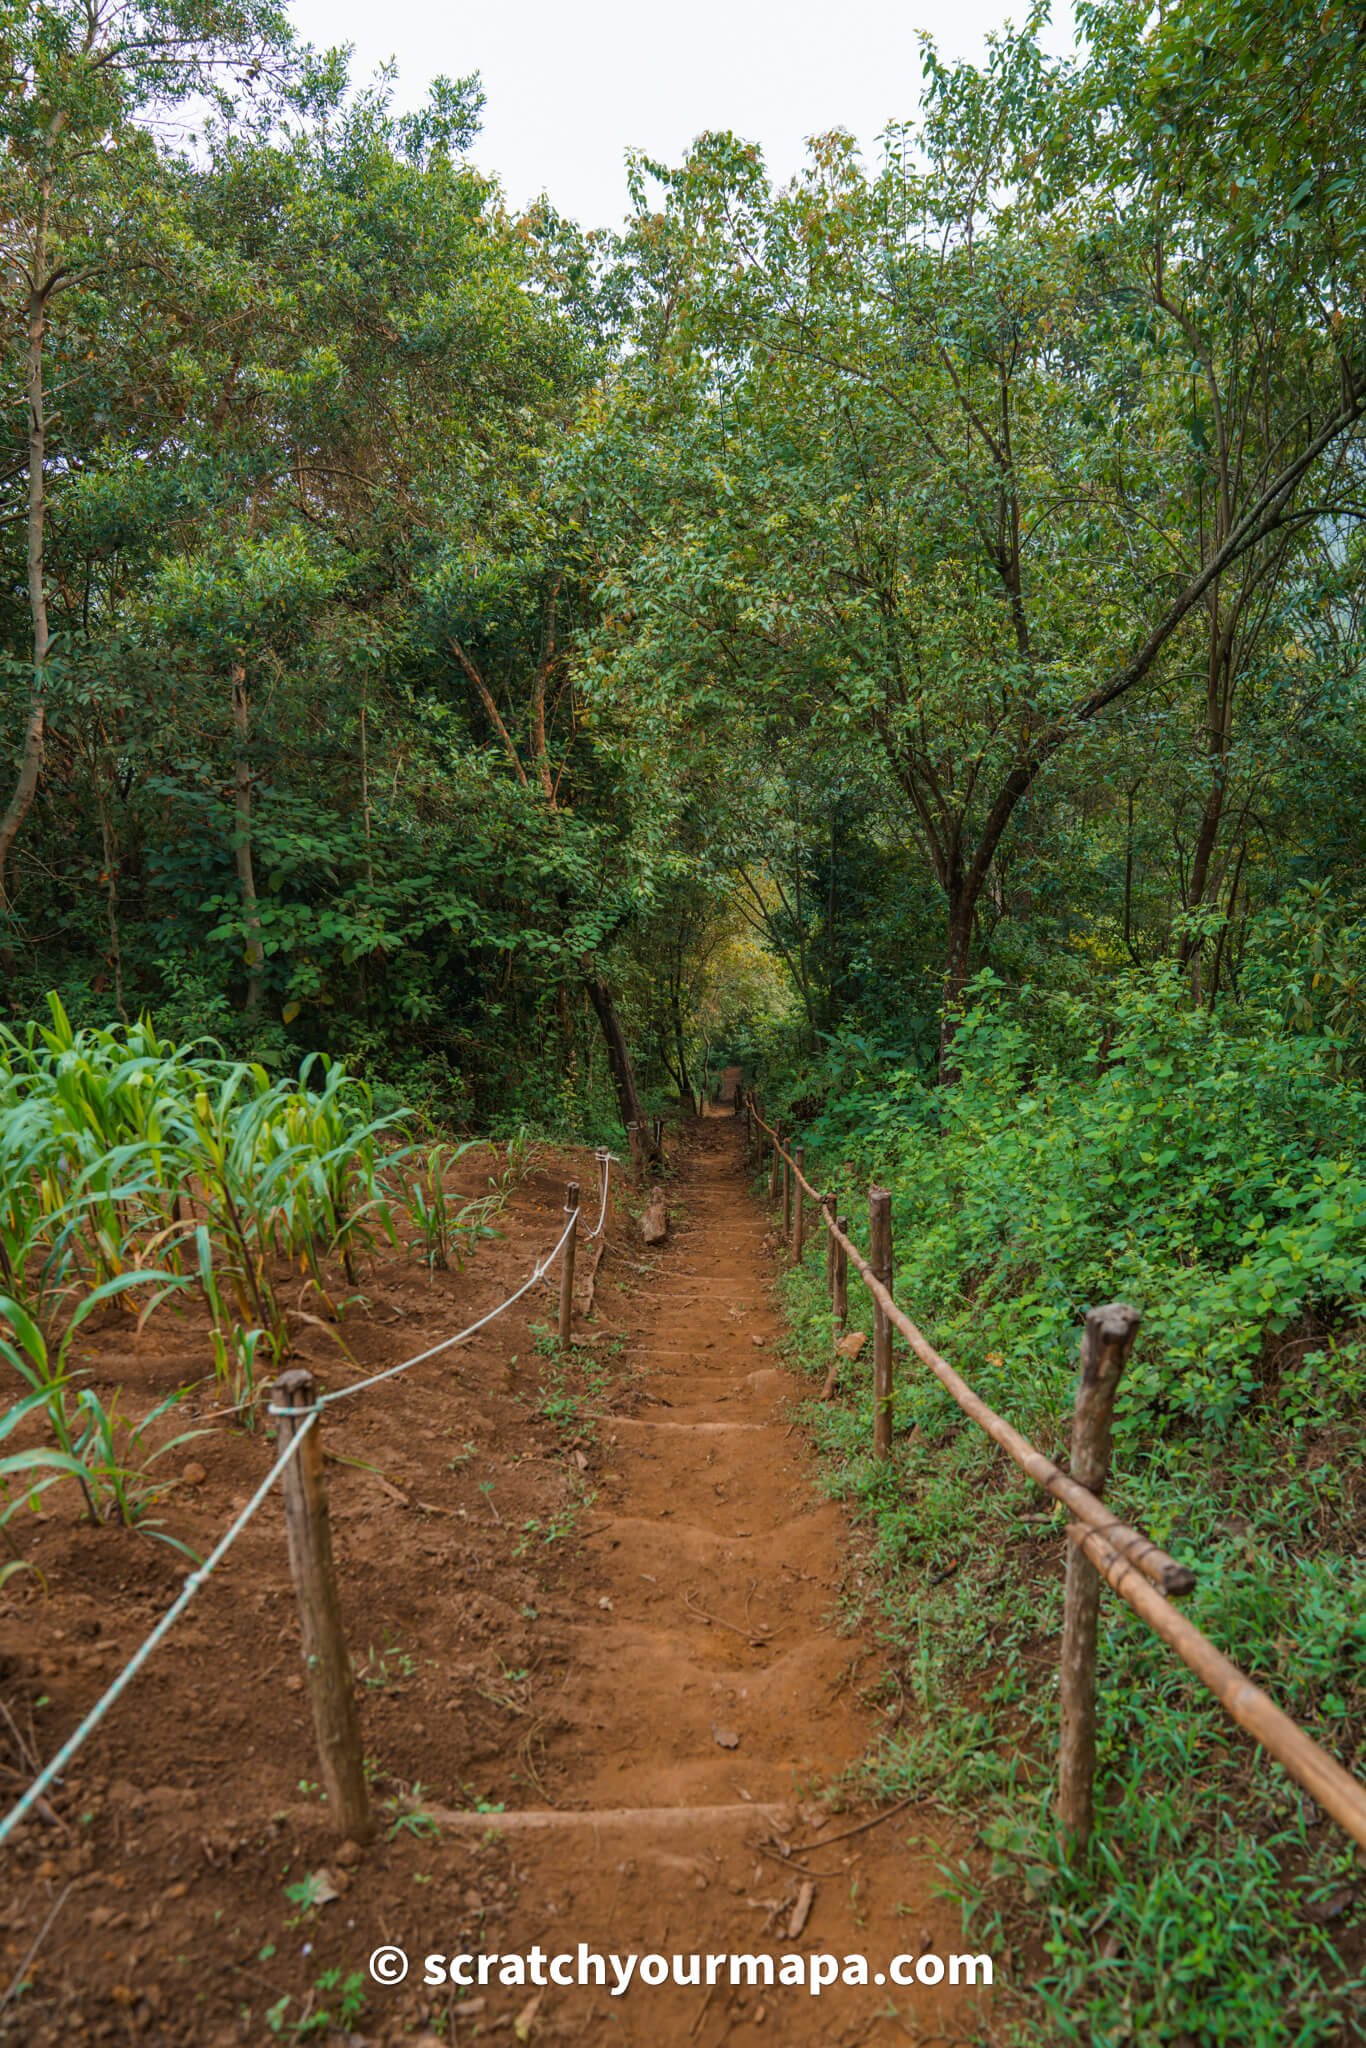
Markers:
point(1101, 1548)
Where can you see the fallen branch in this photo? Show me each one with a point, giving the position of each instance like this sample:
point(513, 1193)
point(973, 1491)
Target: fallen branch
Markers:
point(36, 1943)
point(761, 1633)
point(862, 1828)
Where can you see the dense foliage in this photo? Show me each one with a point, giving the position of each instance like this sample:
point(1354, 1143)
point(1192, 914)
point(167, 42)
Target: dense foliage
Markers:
point(902, 630)
point(422, 622)
point(1209, 1170)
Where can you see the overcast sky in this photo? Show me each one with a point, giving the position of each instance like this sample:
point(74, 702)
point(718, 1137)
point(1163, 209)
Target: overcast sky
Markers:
point(573, 84)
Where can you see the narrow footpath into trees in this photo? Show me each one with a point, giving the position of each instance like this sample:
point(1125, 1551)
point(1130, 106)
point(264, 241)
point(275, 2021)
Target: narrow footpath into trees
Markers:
point(710, 1689)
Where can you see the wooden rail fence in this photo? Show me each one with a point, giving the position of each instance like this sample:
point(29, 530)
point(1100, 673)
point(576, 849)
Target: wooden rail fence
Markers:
point(1100, 1547)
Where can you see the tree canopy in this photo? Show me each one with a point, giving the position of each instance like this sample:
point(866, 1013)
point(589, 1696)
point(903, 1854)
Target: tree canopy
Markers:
point(434, 628)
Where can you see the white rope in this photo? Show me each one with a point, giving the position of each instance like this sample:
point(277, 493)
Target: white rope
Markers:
point(306, 1418)
point(173, 1613)
point(605, 1159)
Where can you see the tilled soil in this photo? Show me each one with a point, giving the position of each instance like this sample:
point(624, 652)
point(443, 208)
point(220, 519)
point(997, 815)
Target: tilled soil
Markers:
point(595, 1609)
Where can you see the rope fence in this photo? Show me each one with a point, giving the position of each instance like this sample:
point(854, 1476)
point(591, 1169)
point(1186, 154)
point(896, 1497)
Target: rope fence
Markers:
point(1099, 1546)
point(297, 1408)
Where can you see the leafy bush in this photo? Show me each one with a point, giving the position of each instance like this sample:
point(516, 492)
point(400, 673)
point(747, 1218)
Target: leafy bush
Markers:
point(1205, 1168)
point(1208, 1171)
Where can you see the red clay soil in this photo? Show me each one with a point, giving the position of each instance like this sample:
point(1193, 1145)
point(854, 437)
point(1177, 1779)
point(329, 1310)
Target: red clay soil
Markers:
point(603, 1598)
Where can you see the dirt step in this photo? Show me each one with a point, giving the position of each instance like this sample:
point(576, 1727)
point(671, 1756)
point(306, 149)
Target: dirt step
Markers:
point(688, 1428)
point(537, 1819)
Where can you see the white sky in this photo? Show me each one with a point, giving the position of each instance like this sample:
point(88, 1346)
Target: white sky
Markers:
point(572, 87)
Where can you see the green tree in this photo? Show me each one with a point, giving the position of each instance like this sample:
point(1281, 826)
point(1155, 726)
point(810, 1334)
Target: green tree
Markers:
point(83, 85)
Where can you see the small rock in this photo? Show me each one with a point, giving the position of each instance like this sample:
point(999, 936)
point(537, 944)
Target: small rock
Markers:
point(654, 1221)
point(724, 1738)
point(193, 1474)
point(349, 1855)
point(757, 1342)
point(801, 1911)
point(165, 1798)
point(850, 1345)
point(1331, 1908)
point(323, 1886)
point(526, 2018)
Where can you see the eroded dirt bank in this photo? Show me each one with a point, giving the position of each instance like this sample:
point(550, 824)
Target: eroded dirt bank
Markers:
point(603, 1598)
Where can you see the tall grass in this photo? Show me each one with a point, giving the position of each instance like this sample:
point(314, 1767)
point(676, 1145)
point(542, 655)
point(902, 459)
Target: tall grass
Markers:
point(134, 1171)
point(121, 1153)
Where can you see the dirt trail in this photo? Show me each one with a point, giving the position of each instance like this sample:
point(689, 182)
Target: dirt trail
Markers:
point(709, 1690)
point(594, 1608)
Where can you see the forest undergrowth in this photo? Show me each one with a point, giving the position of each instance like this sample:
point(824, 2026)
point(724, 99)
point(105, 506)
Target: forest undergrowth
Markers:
point(1211, 1176)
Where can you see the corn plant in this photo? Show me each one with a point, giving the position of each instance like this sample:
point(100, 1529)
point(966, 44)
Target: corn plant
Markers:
point(25, 1466)
point(83, 1432)
point(50, 1379)
point(330, 1139)
point(120, 1153)
point(35, 1469)
point(117, 1457)
point(236, 1343)
point(519, 1158)
point(443, 1229)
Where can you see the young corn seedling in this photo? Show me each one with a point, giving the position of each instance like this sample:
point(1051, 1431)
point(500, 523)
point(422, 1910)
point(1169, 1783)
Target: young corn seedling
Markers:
point(48, 1378)
point(118, 1456)
point(236, 1344)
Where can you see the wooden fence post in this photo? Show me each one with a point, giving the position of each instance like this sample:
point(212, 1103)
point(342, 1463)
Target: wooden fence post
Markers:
point(828, 1209)
point(659, 1137)
point(775, 1165)
point(331, 1688)
point(880, 1259)
point(567, 1250)
point(839, 1295)
point(798, 1205)
point(636, 1145)
point(1105, 1348)
point(787, 1195)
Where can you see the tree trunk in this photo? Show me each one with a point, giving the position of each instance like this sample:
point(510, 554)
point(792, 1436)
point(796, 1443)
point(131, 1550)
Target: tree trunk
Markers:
point(31, 758)
point(365, 791)
point(680, 1047)
point(246, 873)
point(619, 1060)
point(1218, 736)
point(109, 845)
point(962, 909)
